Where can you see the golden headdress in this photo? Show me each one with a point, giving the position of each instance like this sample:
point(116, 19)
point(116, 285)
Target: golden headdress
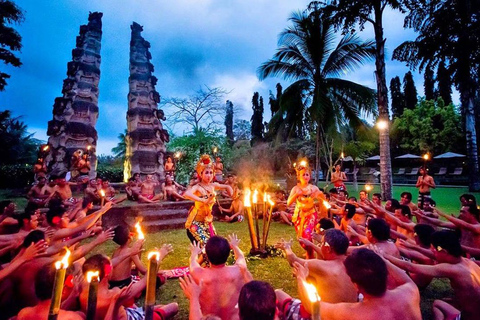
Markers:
point(204, 163)
point(301, 166)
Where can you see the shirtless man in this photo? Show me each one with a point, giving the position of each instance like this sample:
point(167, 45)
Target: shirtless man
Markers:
point(106, 296)
point(235, 210)
point(220, 284)
point(147, 191)
point(218, 170)
point(37, 193)
point(328, 275)
point(63, 191)
point(369, 272)
point(406, 199)
point(377, 234)
point(425, 182)
point(171, 189)
point(91, 191)
point(44, 280)
point(464, 274)
point(338, 178)
point(169, 167)
point(110, 193)
point(132, 190)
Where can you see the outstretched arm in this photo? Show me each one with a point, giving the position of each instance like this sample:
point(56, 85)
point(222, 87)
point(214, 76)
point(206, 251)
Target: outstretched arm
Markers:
point(460, 223)
point(286, 246)
point(439, 270)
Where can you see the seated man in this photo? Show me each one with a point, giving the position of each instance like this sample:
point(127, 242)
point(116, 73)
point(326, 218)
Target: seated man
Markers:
point(147, 191)
point(172, 191)
point(220, 284)
point(369, 273)
point(132, 190)
point(91, 191)
point(63, 192)
point(406, 200)
point(37, 193)
point(327, 275)
point(44, 280)
point(236, 209)
point(377, 237)
point(463, 274)
point(110, 193)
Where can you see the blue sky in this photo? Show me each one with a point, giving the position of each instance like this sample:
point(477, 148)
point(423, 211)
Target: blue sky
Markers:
point(193, 43)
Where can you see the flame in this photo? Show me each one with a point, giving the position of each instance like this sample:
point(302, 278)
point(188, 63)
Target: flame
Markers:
point(91, 274)
point(326, 204)
point(45, 148)
point(265, 197)
point(382, 124)
point(155, 254)
point(89, 147)
point(64, 262)
point(254, 198)
point(102, 193)
point(215, 150)
point(342, 155)
point(312, 292)
point(177, 155)
point(270, 201)
point(368, 187)
point(246, 198)
point(141, 236)
point(426, 156)
point(303, 163)
point(294, 164)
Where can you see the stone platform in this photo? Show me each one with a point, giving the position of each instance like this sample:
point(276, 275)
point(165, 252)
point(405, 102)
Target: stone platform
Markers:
point(156, 216)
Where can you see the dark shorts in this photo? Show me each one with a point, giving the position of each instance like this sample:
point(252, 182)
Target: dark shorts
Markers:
point(120, 283)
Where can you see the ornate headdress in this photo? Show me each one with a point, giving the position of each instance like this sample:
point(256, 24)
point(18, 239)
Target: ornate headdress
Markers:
point(301, 166)
point(204, 163)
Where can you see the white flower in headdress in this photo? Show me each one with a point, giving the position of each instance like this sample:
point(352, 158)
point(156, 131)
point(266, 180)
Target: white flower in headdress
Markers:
point(439, 248)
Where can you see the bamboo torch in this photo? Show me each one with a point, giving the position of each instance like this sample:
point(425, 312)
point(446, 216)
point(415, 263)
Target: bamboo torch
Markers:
point(271, 203)
point(264, 219)
point(327, 205)
point(255, 213)
point(93, 278)
point(248, 207)
point(102, 194)
point(153, 258)
point(314, 299)
point(61, 267)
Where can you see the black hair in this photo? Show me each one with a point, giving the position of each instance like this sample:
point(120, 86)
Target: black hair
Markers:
point(379, 228)
point(86, 201)
point(350, 208)
point(333, 190)
point(472, 209)
point(366, 269)
point(447, 240)
point(408, 194)
point(424, 233)
point(326, 224)
point(406, 211)
point(96, 262)
point(54, 212)
point(378, 195)
point(217, 250)
point(44, 280)
point(26, 215)
point(395, 204)
point(257, 301)
point(122, 234)
point(337, 240)
point(345, 192)
point(33, 237)
point(353, 198)
point(469, 197)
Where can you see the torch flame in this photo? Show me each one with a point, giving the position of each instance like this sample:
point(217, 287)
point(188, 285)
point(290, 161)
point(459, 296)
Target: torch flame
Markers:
point(89, 147)
point(177, 154)
point(141, 236)
point(246, 198)
point(215, 150)
point(102, 193)
point(45, 148)
point(368, 187)
point(64, 262)
point(312, 292)
point(326, 204)
point(426, 156)
point(91, 274)
point(342, 155)
point(303, 163)
point(155, 254)
point(270, 201)
point(254, 198)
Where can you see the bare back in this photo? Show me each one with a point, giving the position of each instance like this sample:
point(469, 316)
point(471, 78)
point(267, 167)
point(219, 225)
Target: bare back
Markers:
point(466, 284)
point(122, 270)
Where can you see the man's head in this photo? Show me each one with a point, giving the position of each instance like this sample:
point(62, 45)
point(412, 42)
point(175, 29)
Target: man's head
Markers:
point(7, 207)
point(105, 184)
point(367, 271)
point(349, 210)
point(98, 262)
point(334, 242)
point(33, 237)
point(257, 301)
point(403, 213)
point(122, 235)
point(363, 195)
point(423, 234)
point(44, 280)
point(391, 205)
point(405, 198)
point(57, 217)
point(326, 224)
point(92, 183)
point(422, 171)
point(470, 213)
point(377, 198)
point(41, 181)
point(352, 200)
point(217, 250)
point(445, 245)
point(29, 219)
point(377, 230)
point(467, 199)
point(342, 195)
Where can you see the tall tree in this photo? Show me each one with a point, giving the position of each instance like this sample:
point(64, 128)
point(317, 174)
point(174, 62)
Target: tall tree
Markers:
point(274, 101)
point(229, 121)
point(429, 84)
point(448, 30)
point(444, 83)
point(10, 39)
point(410, 91)
point(242, 130)
point(120, 149)
point(257, 118)
point(307, 55)
point(349, 15)
point(398, 99)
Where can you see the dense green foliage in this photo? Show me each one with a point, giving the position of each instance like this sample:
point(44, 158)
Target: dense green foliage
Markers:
point(16, 175)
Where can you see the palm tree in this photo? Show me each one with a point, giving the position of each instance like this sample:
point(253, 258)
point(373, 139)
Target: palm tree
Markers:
point(119, 151)
point(307, 55)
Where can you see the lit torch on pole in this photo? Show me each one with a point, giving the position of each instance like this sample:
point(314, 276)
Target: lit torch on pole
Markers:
point(61, 269)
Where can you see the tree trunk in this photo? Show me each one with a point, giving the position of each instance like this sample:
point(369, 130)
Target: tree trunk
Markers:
point(382, 96)
point(471, 137)
point(317, 155)
point(355, 182)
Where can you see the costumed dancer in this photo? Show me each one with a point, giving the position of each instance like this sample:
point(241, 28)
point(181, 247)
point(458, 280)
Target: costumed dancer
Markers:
point(305, 215)
point(199, 222)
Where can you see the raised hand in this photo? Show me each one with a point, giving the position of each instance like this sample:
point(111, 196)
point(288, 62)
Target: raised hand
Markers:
point(195, 248)
point(300, 271)
point(137, 247)
point(33, 250)
point(190, 288)
point(284, 245)
point(165, 250)
point(233, 240)
point(105, 235)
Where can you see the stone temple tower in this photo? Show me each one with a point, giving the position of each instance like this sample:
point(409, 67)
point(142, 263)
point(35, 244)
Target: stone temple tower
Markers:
point(146, 137)
point(72, 135)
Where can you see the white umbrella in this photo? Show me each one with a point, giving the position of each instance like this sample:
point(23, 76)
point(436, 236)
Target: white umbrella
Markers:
point(347, 159)
point(373, 158)
point(448, 155)
point(408, 156)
